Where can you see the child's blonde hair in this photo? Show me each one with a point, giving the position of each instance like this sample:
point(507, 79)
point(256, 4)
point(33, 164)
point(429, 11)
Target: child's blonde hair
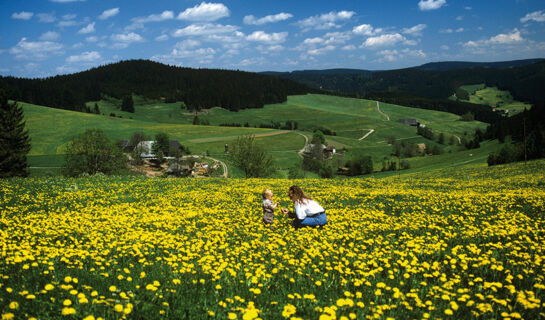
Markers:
point(265, 193)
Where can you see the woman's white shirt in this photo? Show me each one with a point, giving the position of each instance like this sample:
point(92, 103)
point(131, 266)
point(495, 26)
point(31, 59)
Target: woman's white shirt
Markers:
point(307, 208)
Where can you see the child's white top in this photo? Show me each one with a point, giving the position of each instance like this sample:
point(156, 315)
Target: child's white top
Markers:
point(307, 208)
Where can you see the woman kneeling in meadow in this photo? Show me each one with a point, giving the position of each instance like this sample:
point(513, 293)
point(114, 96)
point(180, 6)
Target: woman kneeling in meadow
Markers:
point(308, 213)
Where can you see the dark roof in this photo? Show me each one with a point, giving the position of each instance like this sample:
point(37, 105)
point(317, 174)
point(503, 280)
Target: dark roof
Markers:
point(174, 144)
point(411, 122)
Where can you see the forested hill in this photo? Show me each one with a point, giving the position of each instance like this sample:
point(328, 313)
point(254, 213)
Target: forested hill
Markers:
point(198, 88)
point(429, 89)
point(526, 82)
point(452, 65)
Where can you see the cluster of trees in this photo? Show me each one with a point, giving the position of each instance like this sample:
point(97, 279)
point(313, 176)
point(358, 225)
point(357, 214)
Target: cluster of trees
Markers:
point(92, 152)
point(251, 157)
point(14, 139)
point(288, 125)
point(523, 136)
point(197, 88)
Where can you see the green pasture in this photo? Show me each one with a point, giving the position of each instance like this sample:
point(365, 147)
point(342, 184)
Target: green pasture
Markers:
point(51, 129)
point(492, 96)
point(472, 88)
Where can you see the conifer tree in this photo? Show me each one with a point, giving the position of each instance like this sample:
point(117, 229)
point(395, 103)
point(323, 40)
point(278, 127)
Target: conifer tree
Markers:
point(128, 104)
point(14, 139)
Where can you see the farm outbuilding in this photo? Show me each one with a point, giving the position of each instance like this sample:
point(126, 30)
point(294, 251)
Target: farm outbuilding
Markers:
point(409, 122)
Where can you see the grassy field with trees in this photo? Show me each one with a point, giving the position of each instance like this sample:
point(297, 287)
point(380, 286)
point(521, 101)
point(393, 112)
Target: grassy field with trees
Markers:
point(281, 129)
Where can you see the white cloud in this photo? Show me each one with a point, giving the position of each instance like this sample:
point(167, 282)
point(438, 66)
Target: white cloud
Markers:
point(187, 44)
point(415, 31)
point(67, 23)
point(123, 40)
point(538, 16)
point(267, 19)
point(389, 55)
point(89, 56)
point(460, 30)
point(165, 15)
point(311, 41)
point(204, 29)
point(444, 47)
point(459, 18)
point(365, 30)
point(501, 39)
point(89, 29)
point(205, 12)
point(108, 13)
point(162, 37)
point(446, 30)
point(468, 8)
point(393, 55)
point(268, 38)
point(349, 47)
point(46, 17)
point(69, 16)
point(49, 36)
point(426, 5)
point(383, 40)
point(325, 21)
point(91, 39)
point(319, 51)
point(36, 50)
point(23, 15)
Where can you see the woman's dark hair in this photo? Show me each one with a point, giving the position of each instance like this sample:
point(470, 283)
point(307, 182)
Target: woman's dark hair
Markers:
point(298, 195)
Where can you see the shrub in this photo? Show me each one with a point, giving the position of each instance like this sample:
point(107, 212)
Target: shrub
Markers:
point(92, 152)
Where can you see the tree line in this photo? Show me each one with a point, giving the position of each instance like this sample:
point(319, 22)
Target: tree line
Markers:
point(197, 88)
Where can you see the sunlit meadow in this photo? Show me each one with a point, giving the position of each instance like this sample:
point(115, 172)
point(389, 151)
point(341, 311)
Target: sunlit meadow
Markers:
point(466, 243)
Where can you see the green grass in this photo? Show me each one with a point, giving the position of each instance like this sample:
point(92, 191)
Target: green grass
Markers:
point(51, 129)
point(492, 96)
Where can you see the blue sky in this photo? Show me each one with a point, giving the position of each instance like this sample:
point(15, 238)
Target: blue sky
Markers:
point(40, 38)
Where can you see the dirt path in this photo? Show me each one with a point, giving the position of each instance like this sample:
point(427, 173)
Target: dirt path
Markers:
point(300, 152)
point(367, 134)
point(212, 139)
point(225, 172)
point(382, 113)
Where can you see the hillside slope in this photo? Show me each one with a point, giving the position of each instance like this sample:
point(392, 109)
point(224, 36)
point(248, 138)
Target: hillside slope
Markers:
point(197, 88)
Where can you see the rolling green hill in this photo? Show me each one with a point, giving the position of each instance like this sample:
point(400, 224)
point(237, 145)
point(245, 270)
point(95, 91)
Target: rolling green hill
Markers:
point(350, 119)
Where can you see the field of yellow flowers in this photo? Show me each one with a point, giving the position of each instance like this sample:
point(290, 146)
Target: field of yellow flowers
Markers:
point(459, 244)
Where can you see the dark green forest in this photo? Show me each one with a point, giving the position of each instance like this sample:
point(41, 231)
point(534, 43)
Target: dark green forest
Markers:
point(429, 86)
point(197, 88)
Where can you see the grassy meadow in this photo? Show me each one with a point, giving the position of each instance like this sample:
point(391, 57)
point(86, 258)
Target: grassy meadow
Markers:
point(492, 96)
point(51, 129)
point(451, 244)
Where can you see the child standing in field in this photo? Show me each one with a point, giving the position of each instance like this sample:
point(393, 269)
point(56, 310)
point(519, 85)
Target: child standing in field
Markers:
point(268, 206)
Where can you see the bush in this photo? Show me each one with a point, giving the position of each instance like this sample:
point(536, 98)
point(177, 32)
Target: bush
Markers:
point(252, 158)
point(360, 164)
point(326, 171)
point(92, 152)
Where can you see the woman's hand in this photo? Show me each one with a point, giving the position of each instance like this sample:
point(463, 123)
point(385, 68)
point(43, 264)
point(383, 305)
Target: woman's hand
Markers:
point(284, 211)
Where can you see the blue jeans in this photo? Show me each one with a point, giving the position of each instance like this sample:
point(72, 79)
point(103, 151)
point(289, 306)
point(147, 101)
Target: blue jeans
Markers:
point(316, 221)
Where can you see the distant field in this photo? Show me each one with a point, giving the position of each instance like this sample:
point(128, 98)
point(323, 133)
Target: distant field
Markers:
point(492, 96)
point(51, 129)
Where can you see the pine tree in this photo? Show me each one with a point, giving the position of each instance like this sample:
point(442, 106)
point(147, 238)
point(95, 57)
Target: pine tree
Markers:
point(14, 139)
point(128, 104)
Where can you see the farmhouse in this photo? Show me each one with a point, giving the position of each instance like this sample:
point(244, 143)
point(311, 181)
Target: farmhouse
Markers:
point(146, 148)
point(409, 122)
